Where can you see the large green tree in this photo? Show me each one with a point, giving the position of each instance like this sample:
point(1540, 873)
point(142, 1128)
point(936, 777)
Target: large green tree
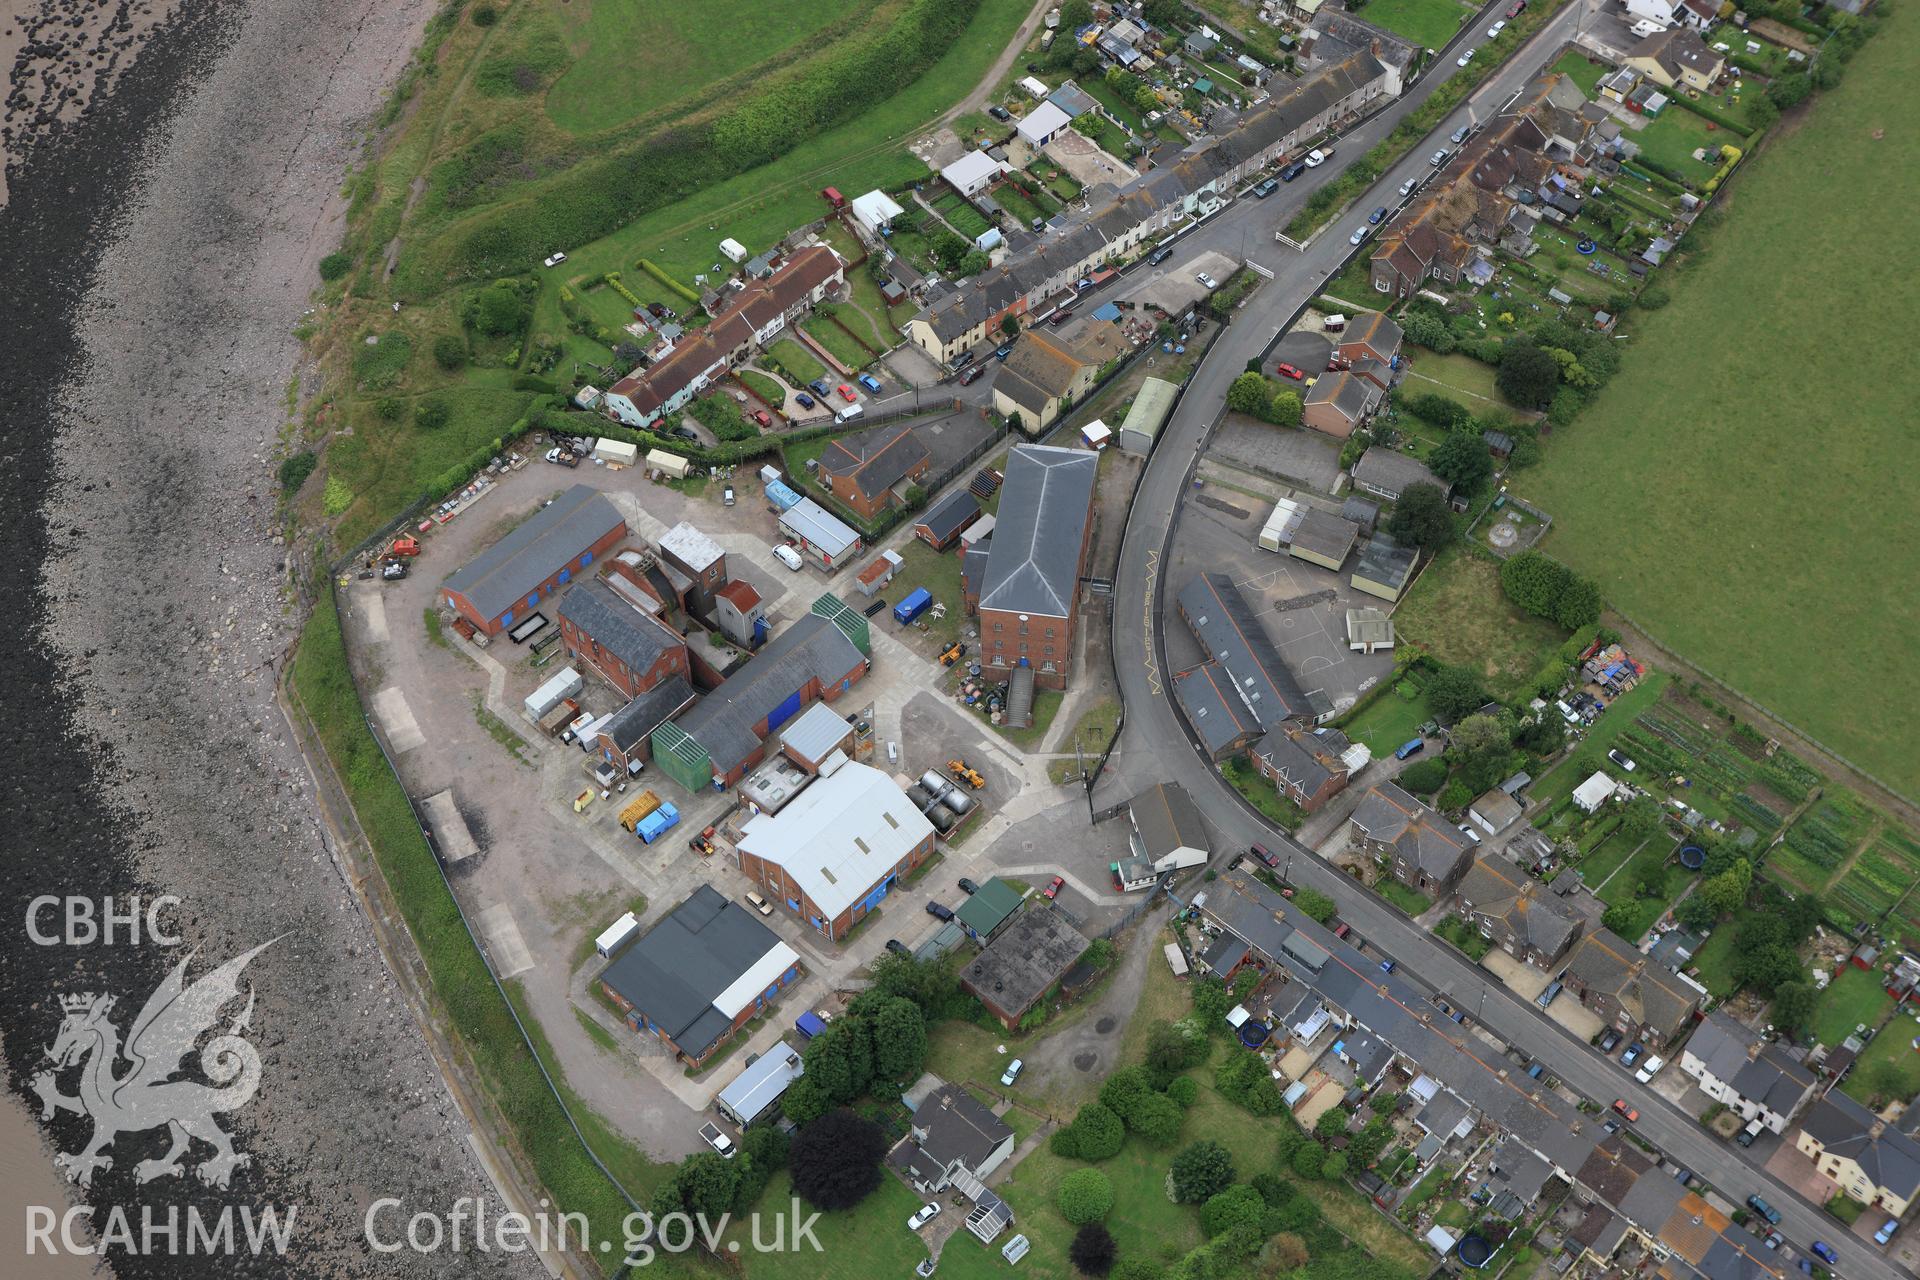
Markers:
point(1527, 375)
point(1422, 518)
point(1462, 460)
point(1201, 1170)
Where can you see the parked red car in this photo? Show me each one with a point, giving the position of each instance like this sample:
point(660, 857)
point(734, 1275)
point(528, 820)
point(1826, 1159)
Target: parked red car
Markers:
point(1620, 1105)
point(762, 417)
point(846, 392)
point(1288, 371)
point(1054, 886)
point(1338, 363)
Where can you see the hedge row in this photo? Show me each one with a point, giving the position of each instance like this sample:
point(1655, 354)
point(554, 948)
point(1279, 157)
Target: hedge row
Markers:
point(599, 197)
point(613, 282)
point(679, 290)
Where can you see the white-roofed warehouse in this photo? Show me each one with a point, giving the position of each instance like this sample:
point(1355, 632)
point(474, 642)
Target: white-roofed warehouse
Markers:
point(834, 852)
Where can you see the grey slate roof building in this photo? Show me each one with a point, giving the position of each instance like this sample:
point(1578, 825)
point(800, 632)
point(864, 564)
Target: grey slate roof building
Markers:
point(1428, 854)
point(1640, 997)
point(1167, 821)
point(1735, 1066)
point(1388, 474)
point(1244, 688)
point(948, 517)
point(1523, 917)
point(499, 578)
point(1306, 767)
point(635, 722)
point(951, 1130)
point(1046, 505)
point(675, 973)
point(876, 460)
point(810, 648)
point(637, 639)
point(1868, 1157)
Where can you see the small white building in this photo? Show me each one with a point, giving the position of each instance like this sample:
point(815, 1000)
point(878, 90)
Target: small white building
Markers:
point(733, 250)
point(875, 210)
point(616, 453)
point(1042, 125)
point(972, 173)
point(1594, 792)
point(670, 463)
point(1035, 88)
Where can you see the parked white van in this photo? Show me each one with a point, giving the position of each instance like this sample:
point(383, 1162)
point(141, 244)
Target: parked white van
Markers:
point(787, 556)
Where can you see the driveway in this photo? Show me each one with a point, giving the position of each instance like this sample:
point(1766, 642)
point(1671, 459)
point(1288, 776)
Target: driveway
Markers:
point(1521, 978)
point(1069, 1064)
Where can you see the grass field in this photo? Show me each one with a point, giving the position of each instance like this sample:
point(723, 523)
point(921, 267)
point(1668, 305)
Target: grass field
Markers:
point(1580, 69)
point(632, 58)
point(1889, 1053)
point(1655, 854)
point(1854, 997)
point(1389, 720)
point(1457, 612)
point(1740, 502)
point(1461, 377)
point(1431, 22)
point(1672, 137)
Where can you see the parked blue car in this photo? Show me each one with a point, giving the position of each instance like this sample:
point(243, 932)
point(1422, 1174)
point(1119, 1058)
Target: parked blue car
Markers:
point(870, 382)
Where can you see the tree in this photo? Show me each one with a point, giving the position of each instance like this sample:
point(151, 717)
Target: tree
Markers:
point(1429, 330)
point(1478, 735)
point(1651, 882)
point(1335, 1166)
point(1534, 581)
point(707, 1183)
point(1726, 891)
point(1422, 517)
point(1424, 777)
point(431, 414)
point(1527, 375)
point(1244, 1079)
point(1462, 460)
point(835, 1160)
point(498, 310)
point(1010, 324)
point(1621, 918)
point(1201, 1170)
point(1443, 412)
point(899, 1040)
point(1124, 1088)
point(1098, 1133)
point(1211, 1002)
point(1541, 735)
point(1185, 1091)
point(1308, 1159)
point(1093, 1250)
point(1365, 1147)
point(805, 1101)
point(1249, 393)
point(1085, 1195)
point(1332, 1124)
point(450, 351)
point(1695, 912)
point(1578, 605)
point(1285, 410)
point(1793, 1005)
point(1641, 818)
point(1315, 904)
point(1157, 1118)
point(1173, 1047)
point(1225, 1210)
point(1454, 692)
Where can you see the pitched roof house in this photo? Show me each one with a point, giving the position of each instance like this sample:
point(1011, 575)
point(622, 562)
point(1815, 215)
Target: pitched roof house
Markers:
point(1521, 915)
point(1028, 579)
point(632, 650)
point(1735, 1066)
point(869, 471)
point(951, 1131)
point(1427, 853)
point(1874, 1162)
point(1047, 371)
point(1307, 768)
point(1338, 404)
point(1677, 57)
point(1638, 997)
point(1244, 688)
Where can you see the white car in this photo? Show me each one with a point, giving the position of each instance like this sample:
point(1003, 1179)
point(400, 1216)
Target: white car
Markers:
point(1496, 28)
point(1439, 157)
point(925, 1215)
point(1357, 236)
point(1464, 59)
point(1316, 158)
point(1012, 1072)
point(1650, 1068)
point(1624, 762)
point(554, 261)
point(1206, 281)
point(1407, 187)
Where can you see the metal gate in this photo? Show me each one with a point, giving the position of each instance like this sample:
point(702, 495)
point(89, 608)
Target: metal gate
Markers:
point(783, 713)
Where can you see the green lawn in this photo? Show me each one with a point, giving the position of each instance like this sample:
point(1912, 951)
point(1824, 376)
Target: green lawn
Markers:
point(1431, 22)
point(1614, 721)
point(1739, 500)
point(1891, 1053)
point(633, 58)
point(843, 345)
point(1605, 859)
point(1457, 612)
point(797, 360)
point(1713, 963)
point(1411, 901)
point(1389, 721)
point(1462, 377)
point(1656, 853)
point(1672, 137)
point(1577, 67)
point(1854, 997)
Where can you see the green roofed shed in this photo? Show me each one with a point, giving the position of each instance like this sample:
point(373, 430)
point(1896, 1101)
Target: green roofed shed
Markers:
point(984, 912)
point(681, 758)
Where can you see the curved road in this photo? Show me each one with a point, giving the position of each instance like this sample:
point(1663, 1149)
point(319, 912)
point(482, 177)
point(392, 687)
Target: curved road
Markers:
point(1153, 723)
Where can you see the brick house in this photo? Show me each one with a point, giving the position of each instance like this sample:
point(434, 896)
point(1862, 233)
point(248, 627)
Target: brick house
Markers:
point(631, 650)
point(1028, 590)
point(1519, 914)
point(505, 583)
point(1304, 767)
point(1637, 997)
point(1338, 404)
point(872, 471)
point(1425, 851)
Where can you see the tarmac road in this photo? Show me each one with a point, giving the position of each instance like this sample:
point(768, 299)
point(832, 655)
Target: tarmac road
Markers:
point(1152, 720)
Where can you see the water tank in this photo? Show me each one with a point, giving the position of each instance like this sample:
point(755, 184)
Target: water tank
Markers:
point(957, 800)
point(919, 797)
point(942, 820)
point(934, 782)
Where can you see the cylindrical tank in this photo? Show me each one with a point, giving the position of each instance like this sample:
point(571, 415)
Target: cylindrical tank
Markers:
point(958, 801)
point(919, 797)
point(942, 820)
point(934, 782)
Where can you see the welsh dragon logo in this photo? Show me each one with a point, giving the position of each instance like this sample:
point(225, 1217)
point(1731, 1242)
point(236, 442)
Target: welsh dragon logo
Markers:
point(145, 1095)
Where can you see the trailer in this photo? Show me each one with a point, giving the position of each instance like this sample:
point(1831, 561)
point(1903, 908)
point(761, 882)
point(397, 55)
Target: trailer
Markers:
point(913, 606)
point(565, 683)
point(658, 823)
point(637, 808)
point(559, 717)
point(616, 934)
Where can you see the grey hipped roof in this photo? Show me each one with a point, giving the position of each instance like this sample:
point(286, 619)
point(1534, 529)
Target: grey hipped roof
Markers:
point(1393, 472)
point(1890, 1159)
point(638, 639)
point(677, 969)
point(1045, 505)
point(1387, 815)
point(723, 723)
point(1305, 760)
point(1167, 819)
point(508, 571)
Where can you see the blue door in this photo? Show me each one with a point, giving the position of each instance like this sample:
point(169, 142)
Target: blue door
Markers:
point(566, 575)
point(784, 712)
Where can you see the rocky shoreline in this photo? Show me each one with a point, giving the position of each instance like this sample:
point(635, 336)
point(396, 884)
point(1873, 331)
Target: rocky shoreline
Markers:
point(159, 247)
